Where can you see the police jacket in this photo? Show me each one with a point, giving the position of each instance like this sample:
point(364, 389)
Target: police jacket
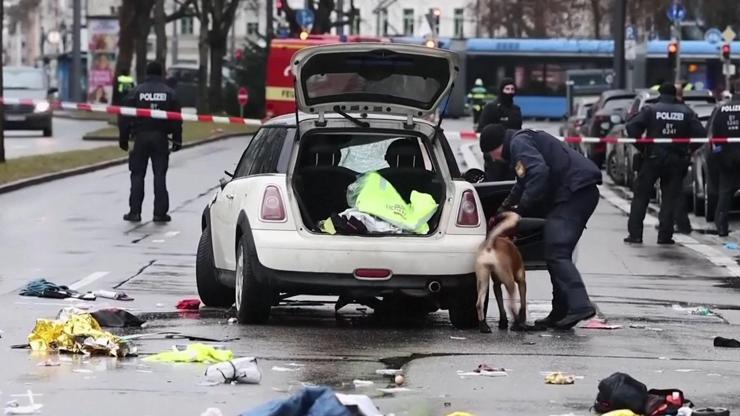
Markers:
point(500, 113)
point(152, 94)
point(725, 122)
point(547, 171)
point(666, 118)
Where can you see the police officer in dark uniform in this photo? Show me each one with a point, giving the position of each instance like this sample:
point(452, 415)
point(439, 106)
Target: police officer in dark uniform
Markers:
point(667, 118)
point(151, 141)
point(725, 122)
point(552, 177)
point(502, 110)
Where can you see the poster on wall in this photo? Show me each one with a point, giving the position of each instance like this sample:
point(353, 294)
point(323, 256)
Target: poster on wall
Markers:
point(102, 48)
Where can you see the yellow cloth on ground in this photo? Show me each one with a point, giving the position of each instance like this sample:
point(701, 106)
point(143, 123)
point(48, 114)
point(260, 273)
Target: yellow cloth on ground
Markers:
point(77, 334)
point(194, 353)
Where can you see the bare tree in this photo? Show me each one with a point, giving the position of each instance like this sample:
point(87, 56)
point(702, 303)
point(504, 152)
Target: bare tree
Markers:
point(160, 19)
point(322, 10)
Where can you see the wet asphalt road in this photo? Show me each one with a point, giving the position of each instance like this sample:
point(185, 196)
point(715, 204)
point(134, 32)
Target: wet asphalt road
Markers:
point(70, 231)
point(67, 136)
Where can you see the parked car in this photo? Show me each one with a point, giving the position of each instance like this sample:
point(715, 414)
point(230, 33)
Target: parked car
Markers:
point(362, 109)
point(574, 124)
point(185, 80)
point(705, 176)
point(31, 83)
point(609, 110)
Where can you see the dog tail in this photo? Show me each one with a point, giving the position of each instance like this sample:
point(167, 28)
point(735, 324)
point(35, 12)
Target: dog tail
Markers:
point(505, 225)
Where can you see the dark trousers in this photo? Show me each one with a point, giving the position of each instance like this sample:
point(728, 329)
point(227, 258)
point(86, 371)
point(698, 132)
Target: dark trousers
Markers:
point(729, 179)
point(154, 146)
point(670, 170)
point(563, 228)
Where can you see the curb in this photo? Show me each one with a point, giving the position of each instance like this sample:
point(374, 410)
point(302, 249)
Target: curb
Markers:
point(36, 180)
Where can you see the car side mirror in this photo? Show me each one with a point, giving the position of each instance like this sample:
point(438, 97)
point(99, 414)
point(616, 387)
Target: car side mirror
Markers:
point(615, 118)
point(223, 182)
point(53, 90)
point(589, 112)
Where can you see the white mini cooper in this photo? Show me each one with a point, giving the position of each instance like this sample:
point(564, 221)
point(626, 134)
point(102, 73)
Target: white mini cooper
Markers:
point(362, 108)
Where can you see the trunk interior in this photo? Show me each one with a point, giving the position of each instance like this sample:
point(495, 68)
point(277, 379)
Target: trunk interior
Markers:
point(329, 162)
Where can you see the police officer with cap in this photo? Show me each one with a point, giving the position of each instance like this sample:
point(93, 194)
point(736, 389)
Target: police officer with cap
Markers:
point(503, 110)
point(725, 122)
point(151, 141)
point(668, 118)
point(554, 178)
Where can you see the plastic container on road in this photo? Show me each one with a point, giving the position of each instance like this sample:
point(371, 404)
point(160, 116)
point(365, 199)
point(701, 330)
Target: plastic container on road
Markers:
point(241, 370)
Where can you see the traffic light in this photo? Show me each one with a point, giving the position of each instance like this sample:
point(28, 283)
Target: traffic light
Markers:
point(672, 53)
point(280, 6)
point(431, 43)
point(726, 52)
point(304, 35)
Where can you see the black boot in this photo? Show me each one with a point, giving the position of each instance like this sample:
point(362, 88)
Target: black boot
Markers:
point(162, 218)
point(549, 320)
point(633, 240)
point(132, 217)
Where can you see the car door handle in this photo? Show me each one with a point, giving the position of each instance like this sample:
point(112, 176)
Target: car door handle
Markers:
point(229, 196)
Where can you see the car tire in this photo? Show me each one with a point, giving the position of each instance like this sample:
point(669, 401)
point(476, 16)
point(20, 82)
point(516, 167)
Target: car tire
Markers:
point(462, 310)
point(211, 291)
point(48, 132)
point(253, 299)
point(611, 169)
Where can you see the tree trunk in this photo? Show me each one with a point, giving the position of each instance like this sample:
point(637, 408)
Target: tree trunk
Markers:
point(126, 43)
point(160, 19)
point(218, 50)
point(143, 26)
point(203, 63)
point(596, 11)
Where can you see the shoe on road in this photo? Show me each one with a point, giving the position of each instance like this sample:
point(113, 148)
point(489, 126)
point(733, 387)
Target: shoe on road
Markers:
point(632, 240)
point(162, 218)
point(549, 321)
point(668, 241)
point(131, 217)
point(571, 319)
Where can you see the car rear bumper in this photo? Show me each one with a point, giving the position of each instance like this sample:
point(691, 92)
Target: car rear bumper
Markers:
point(291, 251)
point(30, 121)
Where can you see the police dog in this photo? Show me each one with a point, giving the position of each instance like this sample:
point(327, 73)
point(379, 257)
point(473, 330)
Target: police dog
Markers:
point(499, 259)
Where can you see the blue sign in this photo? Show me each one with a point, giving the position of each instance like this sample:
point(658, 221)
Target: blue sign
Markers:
point(630, 33)
point(304, 17)
point(713, 35)
point(676, 12)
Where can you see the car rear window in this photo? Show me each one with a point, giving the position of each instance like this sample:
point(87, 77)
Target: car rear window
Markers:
point(366, 154)
point(618, 103)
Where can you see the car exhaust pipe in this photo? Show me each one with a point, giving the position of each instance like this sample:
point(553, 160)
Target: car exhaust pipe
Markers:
point(434, 286)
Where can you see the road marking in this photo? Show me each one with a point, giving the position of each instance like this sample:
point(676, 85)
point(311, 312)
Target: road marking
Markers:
point(87, 280)
point(170, 234)
point(157, 241)
point(715, 256)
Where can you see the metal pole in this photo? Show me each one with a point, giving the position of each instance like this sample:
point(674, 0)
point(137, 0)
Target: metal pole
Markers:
point(175, 40)
point(340, 17)
point(76, 53)
point(477, 18)
point(269, 20)
point(619, 61)
point(2, 61)
point(677, 71)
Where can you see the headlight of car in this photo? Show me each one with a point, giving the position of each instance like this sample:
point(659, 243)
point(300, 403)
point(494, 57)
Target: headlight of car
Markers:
point(41, 107)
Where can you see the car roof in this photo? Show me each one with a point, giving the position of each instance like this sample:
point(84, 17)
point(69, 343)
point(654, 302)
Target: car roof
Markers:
point(615, 93)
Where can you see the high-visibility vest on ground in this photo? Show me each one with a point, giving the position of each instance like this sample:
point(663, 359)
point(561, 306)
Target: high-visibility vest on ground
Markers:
point(374, 195)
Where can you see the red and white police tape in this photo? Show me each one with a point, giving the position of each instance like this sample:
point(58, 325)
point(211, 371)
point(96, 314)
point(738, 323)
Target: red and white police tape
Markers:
point(463, 135)
point(134, 112)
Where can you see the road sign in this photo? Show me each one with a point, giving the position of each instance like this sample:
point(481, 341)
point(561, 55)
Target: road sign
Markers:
point(728, 69)
point(630, 33)
point(713, 35)
point(728, 35)
point(676, 12)
point(304, 17)
point(630, 50)
point(243, 96)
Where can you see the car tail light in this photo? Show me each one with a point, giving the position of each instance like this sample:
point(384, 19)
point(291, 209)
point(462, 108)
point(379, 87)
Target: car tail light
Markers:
point(272, 205)
point(379, 274)
point(468, 214)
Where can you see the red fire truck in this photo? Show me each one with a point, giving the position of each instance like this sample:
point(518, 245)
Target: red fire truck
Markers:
point(279, 94)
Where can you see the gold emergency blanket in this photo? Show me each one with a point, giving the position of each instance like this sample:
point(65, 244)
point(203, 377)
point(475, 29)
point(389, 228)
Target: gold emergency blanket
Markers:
point(77, 334)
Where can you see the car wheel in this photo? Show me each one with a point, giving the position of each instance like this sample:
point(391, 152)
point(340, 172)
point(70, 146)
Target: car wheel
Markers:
point(698, 203)
point(211, 291)
point(710, 204)
point(612, 170)
point(48, 132)
point(463, 314)
point(253, 299)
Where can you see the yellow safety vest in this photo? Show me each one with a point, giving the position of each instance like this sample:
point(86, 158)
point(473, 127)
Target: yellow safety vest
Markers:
point(125, 83)
point(374, 195)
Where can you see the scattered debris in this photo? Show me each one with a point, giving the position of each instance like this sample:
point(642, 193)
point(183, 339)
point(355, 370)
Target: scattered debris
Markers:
point(699, 310)
point(388, 372)
point(189, 304)
point(285, 369)
point(241, 370)
point(49, 363)
point(315, 401)
point(559, 378)
point(116, 318)
point(232, 321)
point(78, 334)
point(621, 412)
point(193, 353)
point(362, 383)
point(726, 342)
point(359, 401)
point(212, 411)
point(645, 327)
point(458, 338)
point(598, 323)
point(115, 295)
point(392, 390)
point(399, 379)
point(14, 408)
point(730, 245)
point(82, 371)
point(176, 335)
point(686, 370)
